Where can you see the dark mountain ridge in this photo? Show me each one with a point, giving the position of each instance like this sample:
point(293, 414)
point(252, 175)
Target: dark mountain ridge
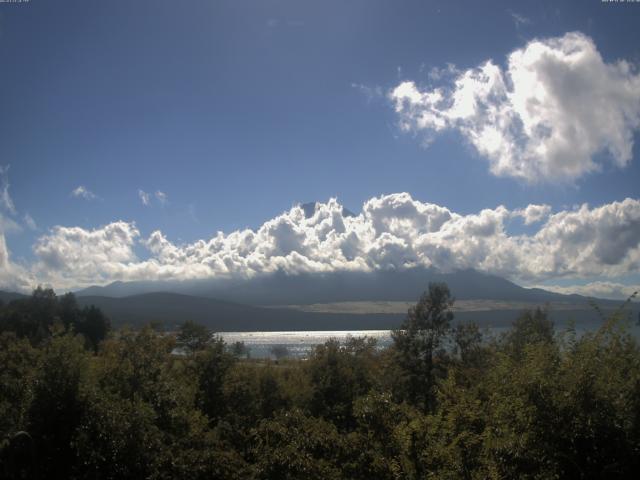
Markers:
point(169, 310)
point(240, 304)
point(172, 309)
point(392, 285)
point(6, 297)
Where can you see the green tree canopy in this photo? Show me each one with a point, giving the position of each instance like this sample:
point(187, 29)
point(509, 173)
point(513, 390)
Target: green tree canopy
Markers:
point(417, 343)
point(193, 336)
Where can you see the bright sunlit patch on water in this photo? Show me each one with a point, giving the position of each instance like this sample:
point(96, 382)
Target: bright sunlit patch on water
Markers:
point(298, 344)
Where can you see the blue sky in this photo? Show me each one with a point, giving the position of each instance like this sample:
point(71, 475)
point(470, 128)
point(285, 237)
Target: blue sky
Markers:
point(237, 110)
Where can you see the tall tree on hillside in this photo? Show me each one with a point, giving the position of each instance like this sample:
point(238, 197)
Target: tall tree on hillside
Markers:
point(418, 341)
point(94, 325)
point(193, 336)
point(31, 317)
point(35, 317)
point(531, 327)
point(57, 404)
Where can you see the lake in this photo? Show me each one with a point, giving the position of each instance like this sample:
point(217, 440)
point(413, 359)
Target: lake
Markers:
point(299, 344)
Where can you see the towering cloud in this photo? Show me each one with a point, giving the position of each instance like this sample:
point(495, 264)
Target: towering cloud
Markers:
point(392, 232)
point(542, 117)
point(86, 256)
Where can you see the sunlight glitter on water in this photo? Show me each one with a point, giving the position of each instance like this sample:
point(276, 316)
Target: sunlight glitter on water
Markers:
point(298, 343)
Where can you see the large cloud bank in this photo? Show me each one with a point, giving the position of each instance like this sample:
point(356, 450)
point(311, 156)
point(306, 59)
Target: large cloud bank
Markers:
point(543, 117)
point(392, 232)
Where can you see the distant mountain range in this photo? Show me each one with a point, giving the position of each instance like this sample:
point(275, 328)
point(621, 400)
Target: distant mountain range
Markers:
point(393, 285)
point(6, 297)
point(172, 309)
point(290, 302)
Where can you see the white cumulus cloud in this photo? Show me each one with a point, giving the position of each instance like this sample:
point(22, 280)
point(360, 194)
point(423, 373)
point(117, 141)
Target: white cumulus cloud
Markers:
point(533, 213)
point(391, 232)
point(86, 256)
point(542, 117)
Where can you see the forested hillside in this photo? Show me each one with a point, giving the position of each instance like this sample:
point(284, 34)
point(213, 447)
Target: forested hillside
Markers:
point(78, 400)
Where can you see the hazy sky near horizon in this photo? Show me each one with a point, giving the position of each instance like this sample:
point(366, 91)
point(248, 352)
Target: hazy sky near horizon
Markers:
point(493, 135)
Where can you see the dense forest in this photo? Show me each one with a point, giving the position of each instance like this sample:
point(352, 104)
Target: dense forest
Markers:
point(79, 400)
